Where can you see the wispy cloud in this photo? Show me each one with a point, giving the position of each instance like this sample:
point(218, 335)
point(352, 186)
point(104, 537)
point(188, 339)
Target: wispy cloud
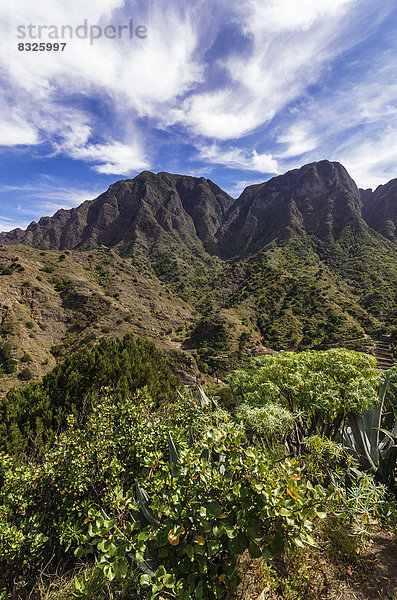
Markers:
point(356, 124)
point(240, 185)
point(235, 158)
point(42, 197)
point(290, 45)
point(238, 80)
point(298, 140)
point(112, 158)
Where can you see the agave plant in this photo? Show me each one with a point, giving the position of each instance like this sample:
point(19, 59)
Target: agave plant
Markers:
point(374, 449)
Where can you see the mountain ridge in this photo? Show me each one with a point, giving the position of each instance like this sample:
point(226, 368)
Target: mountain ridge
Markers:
point(201, 213)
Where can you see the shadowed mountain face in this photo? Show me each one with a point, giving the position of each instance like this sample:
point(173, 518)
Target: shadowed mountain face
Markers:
point(380, 209)
point(320, 199)
point(157, 212)
point(145, 211)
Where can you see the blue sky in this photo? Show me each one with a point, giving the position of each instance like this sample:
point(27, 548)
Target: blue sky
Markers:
point(236, 91)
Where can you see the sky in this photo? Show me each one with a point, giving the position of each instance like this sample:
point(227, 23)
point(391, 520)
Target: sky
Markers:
point(234, 91)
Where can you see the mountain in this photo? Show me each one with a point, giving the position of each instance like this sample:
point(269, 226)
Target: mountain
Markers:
point(147, 210)
point(380, 209)
point(168, 220)
point(320, 199)
point(53, 302)
point(302, 260)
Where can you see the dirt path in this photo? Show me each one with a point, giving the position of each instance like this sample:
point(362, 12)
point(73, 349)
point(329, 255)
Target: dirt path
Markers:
point(372, 577)
point(377, 578)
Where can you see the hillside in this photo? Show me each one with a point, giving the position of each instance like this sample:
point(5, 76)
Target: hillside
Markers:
point(52, 302)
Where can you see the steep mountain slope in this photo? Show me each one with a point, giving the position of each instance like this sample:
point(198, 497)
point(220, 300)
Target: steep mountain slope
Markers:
point(380, 209)
point(319, 200)
point(166, 219)
point(308, 222)
point(146, 211)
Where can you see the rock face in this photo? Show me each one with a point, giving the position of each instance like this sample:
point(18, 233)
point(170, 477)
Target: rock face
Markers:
point(145, 211)
point(319, 199)
point(158, 212)
point(380, 209)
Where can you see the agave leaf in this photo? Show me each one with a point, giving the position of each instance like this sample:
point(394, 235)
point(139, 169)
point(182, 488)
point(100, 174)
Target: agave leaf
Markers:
point(214, 406)
point(234, 395)
point(361, 442)
point(204, 400)
point(387, 466)
point(144, 567)
point(144, 508)
point(371, 421)
point(389, 434)
point(349, 439)
point(382, 392)
point(191, 437)
point(174, 456)
point(149, 565)
point(180, 395)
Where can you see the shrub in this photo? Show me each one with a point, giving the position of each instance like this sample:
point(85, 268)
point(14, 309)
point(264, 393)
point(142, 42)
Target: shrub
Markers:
point(7, 362)
point(319, 388)
point(30, 416)
point(25, 374)
point(107, 493)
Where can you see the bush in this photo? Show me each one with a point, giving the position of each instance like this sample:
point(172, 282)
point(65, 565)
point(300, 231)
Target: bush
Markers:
point(319, 388)
point(7, 362)
point(215, 500)
point(25, 374)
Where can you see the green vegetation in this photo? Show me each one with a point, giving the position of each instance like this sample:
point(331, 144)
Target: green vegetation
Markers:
point(82, 500)
point(31, 417)
point(26, 374)
point(318, 390)
point(132, 490)
point(7, 361)
point(11, 268)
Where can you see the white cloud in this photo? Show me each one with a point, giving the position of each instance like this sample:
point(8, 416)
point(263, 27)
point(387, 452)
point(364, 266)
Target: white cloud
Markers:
point(134, 77)
point(239, 186)
point(289, 48)
point(373, 161)
point(114, 158)
point(284, 15)
point(298, 140)
point(235, 158)
point(172, 79)
point(16, 132)
point(355, 125)
point(10, 225)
